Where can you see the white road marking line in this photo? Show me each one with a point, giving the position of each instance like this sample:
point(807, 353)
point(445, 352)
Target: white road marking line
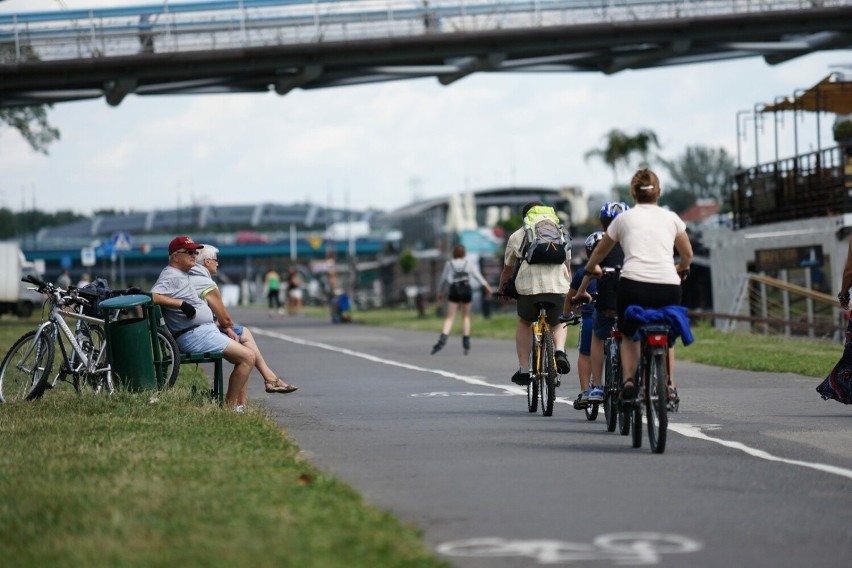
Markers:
point(688, 430)
point(692, 431)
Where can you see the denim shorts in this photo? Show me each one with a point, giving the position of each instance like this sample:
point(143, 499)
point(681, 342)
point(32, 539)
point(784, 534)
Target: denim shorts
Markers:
point(584, 344)
point(203, 339)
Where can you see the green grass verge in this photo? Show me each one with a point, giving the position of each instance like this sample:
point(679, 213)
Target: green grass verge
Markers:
point(121, 481)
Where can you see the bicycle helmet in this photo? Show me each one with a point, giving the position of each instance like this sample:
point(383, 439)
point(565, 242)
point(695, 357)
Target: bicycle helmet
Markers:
point(593, 240)
point(611, 209)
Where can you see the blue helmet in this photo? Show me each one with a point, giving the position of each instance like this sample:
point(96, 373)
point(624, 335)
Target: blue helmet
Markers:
point(593, 240)
point(611, 209)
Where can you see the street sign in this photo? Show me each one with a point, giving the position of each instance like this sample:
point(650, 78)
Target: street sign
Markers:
point(121, 241)
point(87, 256)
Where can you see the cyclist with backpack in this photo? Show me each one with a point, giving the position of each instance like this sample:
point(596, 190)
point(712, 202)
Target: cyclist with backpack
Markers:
point(456, 276)
point(538, 256)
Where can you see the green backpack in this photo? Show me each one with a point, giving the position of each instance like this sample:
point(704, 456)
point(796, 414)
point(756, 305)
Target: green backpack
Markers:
point(545, 239)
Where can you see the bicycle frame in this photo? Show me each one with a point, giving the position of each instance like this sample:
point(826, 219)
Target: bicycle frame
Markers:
point(56, 326)
point(85, 363)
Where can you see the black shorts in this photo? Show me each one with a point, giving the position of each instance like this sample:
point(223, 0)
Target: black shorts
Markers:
point(463, 297)
point(646, 295)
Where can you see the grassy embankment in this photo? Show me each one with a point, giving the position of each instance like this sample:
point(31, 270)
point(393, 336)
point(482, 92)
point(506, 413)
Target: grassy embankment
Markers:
point(119, 481)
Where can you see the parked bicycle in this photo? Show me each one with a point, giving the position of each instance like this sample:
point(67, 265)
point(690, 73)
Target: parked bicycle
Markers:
point(27, 368)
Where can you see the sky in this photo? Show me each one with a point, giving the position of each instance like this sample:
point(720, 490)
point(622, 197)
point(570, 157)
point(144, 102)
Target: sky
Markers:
point(387, 144)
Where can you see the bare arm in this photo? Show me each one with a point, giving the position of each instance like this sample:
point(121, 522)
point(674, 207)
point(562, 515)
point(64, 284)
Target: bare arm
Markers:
point(846, 283)
point(593, 269)
point(167, 301)
point(217, 305)
point(684, 248)
point(505, 275)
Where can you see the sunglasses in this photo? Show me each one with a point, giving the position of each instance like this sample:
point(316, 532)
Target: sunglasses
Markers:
point(189, 252)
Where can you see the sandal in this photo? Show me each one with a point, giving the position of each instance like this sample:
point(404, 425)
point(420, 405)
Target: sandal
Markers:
point(275, 387)
point(672, 393)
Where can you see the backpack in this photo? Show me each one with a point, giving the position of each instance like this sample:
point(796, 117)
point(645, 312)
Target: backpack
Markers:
point(545, 238)
point(460, 284)
point(95, 292)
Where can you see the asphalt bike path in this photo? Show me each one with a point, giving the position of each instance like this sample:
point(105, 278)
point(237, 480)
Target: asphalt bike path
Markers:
point(757, 469)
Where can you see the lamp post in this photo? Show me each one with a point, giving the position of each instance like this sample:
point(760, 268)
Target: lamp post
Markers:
point(778, 99)
point(796, 94)
point(740, 136)
point(757, 119)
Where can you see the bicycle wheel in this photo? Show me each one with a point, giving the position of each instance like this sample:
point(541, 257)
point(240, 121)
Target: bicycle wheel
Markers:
point(532, 388)
point(656, 402)
point(548, 374)
point(624, 410)
point(169, 358)
point(93, 343)
point(26, 367)
point(636, 408)
point(610, 402)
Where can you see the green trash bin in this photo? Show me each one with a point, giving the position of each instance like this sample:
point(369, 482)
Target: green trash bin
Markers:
point(129, 342)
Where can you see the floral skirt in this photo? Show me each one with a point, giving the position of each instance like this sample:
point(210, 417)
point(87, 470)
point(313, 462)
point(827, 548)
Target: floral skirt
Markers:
point(838, 383)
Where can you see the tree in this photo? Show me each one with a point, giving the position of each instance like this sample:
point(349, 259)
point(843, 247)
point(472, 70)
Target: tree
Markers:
point(31, 122)
point(619, 147)
point(703, 173)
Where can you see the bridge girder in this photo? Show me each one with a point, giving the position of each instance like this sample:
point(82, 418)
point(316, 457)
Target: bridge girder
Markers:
point(600, 47)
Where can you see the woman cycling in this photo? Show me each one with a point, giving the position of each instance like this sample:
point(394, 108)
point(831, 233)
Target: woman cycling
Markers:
point(649, 277)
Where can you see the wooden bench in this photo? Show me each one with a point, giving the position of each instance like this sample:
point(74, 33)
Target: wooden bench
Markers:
point(214, 357)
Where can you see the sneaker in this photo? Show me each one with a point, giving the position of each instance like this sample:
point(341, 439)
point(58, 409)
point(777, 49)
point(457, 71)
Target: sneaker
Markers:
point(581, 401)
point(562, 364)
point(596, 393)
point(522, 379)
point(674, 400)
point(240, 409)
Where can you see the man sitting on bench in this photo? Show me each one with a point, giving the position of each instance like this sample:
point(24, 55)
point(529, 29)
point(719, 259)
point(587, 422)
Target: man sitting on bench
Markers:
point(201, 276)
point(190, 320)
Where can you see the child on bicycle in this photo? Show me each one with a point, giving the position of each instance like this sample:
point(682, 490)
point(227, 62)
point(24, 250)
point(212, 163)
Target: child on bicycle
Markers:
point(594, 393)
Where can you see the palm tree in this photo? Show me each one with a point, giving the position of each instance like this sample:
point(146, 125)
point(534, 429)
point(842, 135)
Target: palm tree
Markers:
point(619, 147)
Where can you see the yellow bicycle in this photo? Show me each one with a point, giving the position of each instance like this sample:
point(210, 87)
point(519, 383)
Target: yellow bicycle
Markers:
point(544, 376)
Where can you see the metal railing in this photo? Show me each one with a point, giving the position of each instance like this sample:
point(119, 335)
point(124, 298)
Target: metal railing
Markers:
point(816, 184)
point(227, 24)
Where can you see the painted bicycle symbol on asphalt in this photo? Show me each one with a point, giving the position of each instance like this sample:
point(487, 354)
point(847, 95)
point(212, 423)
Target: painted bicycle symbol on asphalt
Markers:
point(623, 549)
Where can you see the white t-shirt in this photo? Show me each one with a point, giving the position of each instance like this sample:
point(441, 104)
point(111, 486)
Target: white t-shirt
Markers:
point(647, 234)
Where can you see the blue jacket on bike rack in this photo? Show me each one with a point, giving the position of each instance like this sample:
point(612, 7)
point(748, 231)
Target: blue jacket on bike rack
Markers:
point(675, 316)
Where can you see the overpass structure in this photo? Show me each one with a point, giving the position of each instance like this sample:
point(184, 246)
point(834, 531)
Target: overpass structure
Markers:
point(233, 46)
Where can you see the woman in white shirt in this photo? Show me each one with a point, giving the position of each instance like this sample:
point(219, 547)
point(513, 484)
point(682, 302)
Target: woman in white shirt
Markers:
point(457, 274)
point(649, 277)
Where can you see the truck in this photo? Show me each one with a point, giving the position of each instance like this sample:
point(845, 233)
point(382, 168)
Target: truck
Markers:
point(16, 297)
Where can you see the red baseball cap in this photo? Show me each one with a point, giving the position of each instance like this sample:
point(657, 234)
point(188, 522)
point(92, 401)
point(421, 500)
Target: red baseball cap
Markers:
point(183, 242)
